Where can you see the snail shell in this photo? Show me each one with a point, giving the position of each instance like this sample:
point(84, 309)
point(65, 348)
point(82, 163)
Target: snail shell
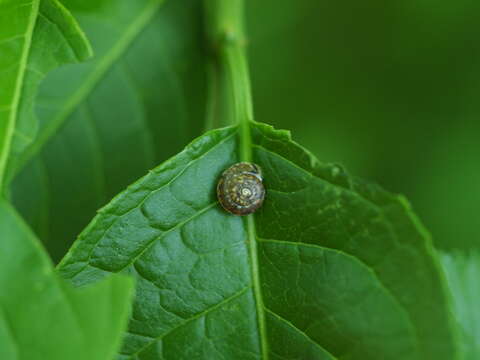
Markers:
point(240, 189)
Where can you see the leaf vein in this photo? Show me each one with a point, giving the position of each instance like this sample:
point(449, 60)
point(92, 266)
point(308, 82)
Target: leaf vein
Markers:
point(65, 260)
point(193, 318)
point(285, 321)
point(361, 263)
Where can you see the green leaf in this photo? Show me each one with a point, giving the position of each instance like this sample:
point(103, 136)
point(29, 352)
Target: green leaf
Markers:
point(136, 103)
point(41, 317)
point(330, 267)
point(463, 271)
point(35, 37)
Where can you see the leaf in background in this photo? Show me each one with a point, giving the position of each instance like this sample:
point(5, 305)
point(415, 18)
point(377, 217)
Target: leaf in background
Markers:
point(136, 103)
point(463, 273)
point(43, 318)
point(448, 193)
point(57, 40)
point(334, 268)
point(35, 37)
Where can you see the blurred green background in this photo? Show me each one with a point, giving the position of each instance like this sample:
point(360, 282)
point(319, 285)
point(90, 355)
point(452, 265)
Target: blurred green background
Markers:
point(387, 88)
point(390, 89)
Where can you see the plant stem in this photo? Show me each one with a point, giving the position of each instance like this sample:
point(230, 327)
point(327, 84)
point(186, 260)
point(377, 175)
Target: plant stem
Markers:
point(230, 100)
point(230, 104)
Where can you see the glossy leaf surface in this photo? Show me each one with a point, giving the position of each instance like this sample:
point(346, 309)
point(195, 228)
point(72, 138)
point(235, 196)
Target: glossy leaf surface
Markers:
point(333, 268)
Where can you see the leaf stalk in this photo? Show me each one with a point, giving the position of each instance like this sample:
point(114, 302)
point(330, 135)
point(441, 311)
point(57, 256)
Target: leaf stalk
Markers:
point(230, 100)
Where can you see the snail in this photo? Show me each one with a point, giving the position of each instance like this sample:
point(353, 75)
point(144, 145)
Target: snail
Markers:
point(240, 189)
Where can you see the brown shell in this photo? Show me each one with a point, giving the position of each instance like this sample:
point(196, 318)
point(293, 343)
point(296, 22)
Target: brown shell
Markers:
point(240, 189)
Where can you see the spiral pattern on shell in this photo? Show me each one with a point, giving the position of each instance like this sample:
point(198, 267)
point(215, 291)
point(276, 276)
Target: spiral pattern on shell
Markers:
point(240, 190)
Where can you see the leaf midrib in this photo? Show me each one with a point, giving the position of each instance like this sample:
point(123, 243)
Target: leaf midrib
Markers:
point(257, 286)
point(246, 155)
